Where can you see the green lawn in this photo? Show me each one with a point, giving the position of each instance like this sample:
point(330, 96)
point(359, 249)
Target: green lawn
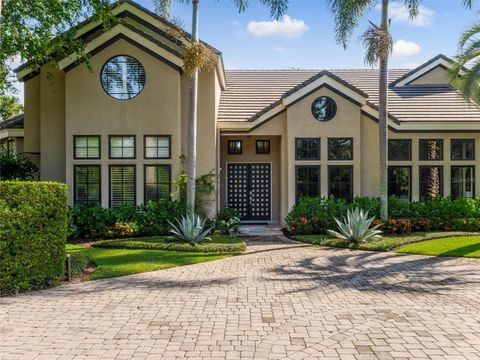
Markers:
point(119, 262)
point(466, 246)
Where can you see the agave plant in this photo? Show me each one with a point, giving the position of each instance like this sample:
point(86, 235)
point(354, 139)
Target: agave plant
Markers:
point(355, 227)
point(189, 228)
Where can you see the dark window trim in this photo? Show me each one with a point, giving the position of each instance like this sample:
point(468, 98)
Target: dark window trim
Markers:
point(339, 138)
point(409, 151)
point(263, 153)
point(75, 181)
point(75, 137)
point(473, 182)
point(442, 179)
point(235, 153)
point(122, 158)
point(319, 179)
point(330, 167)
point(157, 158)
point(309, 138)
point(169, 166)
point(110, 182)
point(420, 152)
point(469, 139)
point(410, 177)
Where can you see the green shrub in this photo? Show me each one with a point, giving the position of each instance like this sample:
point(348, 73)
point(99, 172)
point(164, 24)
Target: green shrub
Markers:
point(16, 166)
point(78, 262)
point(227, 222)
point(33, 231)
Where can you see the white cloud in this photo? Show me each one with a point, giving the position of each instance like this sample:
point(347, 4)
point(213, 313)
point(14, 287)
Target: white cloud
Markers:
point(399, 13)
point(279, 49)
point(404, 48)
point(285, 27)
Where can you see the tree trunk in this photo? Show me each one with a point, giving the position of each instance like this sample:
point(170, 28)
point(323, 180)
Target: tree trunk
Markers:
point(433, 175)
point(192, 121)
point(383, 121)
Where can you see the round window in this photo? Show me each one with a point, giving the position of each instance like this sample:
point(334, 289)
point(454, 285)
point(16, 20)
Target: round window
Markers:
point(324, 108)
point(123, 77)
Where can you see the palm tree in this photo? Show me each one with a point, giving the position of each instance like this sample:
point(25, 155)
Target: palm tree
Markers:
point(277, 9)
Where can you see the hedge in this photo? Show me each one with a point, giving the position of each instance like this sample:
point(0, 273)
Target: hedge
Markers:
point(33, 232)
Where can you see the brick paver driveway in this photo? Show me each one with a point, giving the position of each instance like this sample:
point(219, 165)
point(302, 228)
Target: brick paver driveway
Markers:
point(278, 301)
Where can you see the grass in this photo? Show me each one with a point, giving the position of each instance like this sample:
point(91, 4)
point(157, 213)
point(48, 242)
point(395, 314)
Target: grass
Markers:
point(120, 262)
point(462, 246)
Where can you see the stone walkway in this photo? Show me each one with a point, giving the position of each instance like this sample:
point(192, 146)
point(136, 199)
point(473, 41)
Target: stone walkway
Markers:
point(278, 301)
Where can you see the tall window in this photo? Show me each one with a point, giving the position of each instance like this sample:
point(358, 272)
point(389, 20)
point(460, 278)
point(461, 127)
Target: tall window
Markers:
point(399, 149)
point(463, 181)
point(307, 149)
point(157, 182)
point(157, 147)
point(399, 182)
point(431, 182)
point(340, 149)
point(307, 181)
point(86, 147)
point(340, 182)
point(262, 147)
point(86, 184)
point(234, 147)
point(122, 147)
point(122, 185)
point(462, 149)
point(430, 149)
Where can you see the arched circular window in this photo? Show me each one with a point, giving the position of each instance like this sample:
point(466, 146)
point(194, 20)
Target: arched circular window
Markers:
point(324, 108)
point(123, 77)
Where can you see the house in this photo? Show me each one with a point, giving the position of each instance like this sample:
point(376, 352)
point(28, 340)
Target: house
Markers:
point(11, 134)
point(116, 134)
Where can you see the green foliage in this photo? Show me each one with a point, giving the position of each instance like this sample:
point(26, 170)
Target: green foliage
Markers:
point(204, 188)
point(9, 106)
point(78, 263)
point(355, 227)
point(33, 231)
point(190, 228)
point(227, 222)
point(16, 166)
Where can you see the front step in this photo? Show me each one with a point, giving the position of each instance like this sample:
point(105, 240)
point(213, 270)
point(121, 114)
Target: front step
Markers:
point(260, 230)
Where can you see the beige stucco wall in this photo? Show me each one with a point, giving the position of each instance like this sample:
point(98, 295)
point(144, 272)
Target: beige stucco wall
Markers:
point(32, 118)
point(434, 77)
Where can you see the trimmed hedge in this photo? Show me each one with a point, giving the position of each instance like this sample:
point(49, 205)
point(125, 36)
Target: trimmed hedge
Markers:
point(33, 232)
point(79, 262)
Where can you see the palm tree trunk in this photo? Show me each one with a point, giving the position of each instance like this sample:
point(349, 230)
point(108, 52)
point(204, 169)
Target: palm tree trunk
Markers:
point(383, 121)
point(192, 121)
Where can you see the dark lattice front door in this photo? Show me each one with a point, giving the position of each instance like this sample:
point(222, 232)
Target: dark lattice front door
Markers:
point(248, 189)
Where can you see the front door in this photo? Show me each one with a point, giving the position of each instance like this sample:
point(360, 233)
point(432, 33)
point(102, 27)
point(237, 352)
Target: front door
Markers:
point(248, 190)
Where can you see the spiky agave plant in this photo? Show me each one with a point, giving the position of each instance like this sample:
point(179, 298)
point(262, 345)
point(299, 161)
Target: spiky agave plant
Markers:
point(189, 228)
point(355, 227)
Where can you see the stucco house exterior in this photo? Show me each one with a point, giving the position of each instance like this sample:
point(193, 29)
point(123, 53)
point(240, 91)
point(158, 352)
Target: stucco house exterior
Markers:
point(11, 134)
point(116, 134)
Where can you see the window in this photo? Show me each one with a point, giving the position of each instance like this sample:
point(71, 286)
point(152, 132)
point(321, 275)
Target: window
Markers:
point(430, 149)
point(157, 182)
point(157, 147)
point(400, 149)
point(462, 149)
point(11, 145)
point(399, 182)
point(431, 182)
point(86, 147)
point(463, 181)
point(86, 184)
point(340, 149)
point(324, 108)
point(122, 185)
point(122, 147)
point(307, 149)
point(340, 182)
point(234, 147)
point(123, 77)
point(307, 181)
point(263, 147)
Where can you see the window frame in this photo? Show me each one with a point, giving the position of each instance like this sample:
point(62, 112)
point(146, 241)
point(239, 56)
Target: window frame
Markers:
point(229, 149)
point(110, 182)
point(75, 137)
point(263, 153)
point(122, 158)
point(330, 168)
point(169, 166)
point(339, 138)
point(75, 202)
point(442, 180)
point(473, 182)
point(103, 85)
point(309, 138)
point(420, 158)
point(409, 180)
point(319, 179)
point(157, 136)
point(460, 139)
point(409, 150)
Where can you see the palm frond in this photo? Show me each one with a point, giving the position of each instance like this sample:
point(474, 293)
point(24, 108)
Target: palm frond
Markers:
point(162, 7)
point(277, 7)
point(378, 44)
point(413, 7)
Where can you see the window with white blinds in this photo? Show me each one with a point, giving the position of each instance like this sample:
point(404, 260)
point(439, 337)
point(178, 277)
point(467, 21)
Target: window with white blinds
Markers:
point(157, 182)
point(86, 147)
point(122, 185)
point(157, 147)
point(87, 179)
point(122, 147)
